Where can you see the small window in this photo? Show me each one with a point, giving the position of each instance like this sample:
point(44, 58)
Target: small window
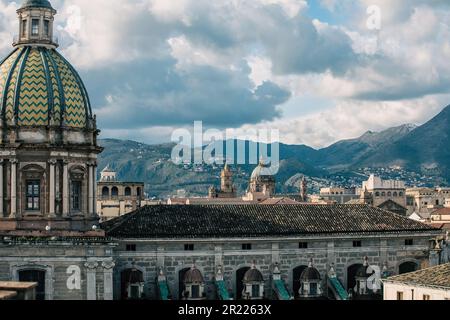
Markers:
point(115, 192)
point(426, 297)
point(377, 194)
point(33, 195)
point(247, 246)
point(46, 28)
point(255, 291)
point(409, 242)
point(303, 245)
point(399, 295)
point(127, 191)
point(313, 289)
point(138, 192)
point(357, 244)
point(35, 27)
point(400, 194)
point(24, 28)
point(76, 195)
point(188, 247)
point(131, 247)
point(195, 291)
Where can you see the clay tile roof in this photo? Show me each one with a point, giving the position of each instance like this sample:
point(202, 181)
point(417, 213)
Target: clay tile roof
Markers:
point(283, 200)
point(231, 221)
point(438, 276)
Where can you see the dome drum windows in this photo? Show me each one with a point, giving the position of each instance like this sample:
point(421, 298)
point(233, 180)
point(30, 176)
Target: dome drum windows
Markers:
point(33, 185)
point(77, 187)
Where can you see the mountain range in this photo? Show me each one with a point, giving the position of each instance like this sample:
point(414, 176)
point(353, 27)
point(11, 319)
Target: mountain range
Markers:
point(423, 149)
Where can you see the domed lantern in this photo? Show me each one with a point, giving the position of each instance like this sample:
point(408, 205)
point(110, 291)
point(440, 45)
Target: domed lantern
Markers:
point(194, 285)
point(253, 284)
point(310, 282)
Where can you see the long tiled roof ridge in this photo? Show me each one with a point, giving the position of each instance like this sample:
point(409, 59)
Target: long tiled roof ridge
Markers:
point(212, 221)
point(438, 276)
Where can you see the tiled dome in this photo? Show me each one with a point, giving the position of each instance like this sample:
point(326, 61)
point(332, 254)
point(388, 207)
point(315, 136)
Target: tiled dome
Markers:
point(38, 87)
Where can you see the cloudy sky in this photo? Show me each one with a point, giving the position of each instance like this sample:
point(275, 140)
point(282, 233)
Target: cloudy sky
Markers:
point(315, 70)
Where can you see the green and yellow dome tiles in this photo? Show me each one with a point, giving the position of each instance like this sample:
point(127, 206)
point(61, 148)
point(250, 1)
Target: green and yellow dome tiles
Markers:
point(38, 87)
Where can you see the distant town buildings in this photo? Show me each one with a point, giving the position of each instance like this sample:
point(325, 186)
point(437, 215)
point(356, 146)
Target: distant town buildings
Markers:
point(338, 195)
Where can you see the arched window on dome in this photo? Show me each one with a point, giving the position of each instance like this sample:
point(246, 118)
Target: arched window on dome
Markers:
point(34, 27)
point(127, 192)
point(77, 184)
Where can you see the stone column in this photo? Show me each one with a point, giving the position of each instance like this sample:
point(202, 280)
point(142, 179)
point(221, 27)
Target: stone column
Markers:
point(94, 195)
point(13, 214)
point(2, 213)
point(91, 268)
point(108, 267)
point(52, 189)
point(91, 190)
point(65, 189)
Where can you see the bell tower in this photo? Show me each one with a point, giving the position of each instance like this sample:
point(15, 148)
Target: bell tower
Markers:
point(36, 18)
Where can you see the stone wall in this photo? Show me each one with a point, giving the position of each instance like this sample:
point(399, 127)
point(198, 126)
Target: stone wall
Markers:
point(207, 256)
point(58, 261)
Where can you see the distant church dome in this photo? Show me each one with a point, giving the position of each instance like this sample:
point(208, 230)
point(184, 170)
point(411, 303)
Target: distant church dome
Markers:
point(264, 169)
point(38, 87)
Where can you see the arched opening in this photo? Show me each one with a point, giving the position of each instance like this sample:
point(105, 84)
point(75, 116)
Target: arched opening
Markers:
point(34, 276)
point(128, 192)
point(132, 284)
point(239, 281)
point(138, 191)
point(296, 273)
point(351, 276)
point(115, 192)
point(407, 267)
point(105, 192)
point(181, 285)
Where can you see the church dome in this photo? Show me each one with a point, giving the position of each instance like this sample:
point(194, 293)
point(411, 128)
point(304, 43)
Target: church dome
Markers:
point(262, 170)
point(38, 87)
